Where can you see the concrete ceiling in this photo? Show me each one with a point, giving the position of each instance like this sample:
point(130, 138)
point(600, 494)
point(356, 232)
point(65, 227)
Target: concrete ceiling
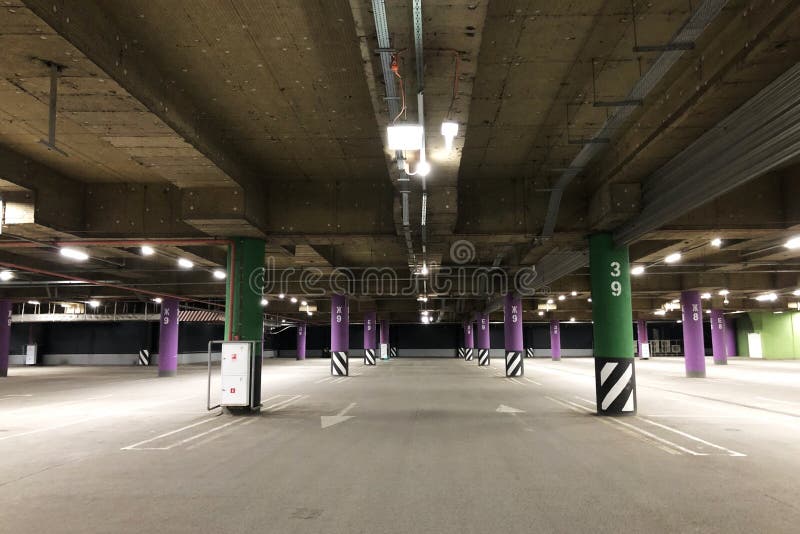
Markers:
point(196, 119)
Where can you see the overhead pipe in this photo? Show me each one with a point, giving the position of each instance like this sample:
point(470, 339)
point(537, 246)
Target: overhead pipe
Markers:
point(688, 33)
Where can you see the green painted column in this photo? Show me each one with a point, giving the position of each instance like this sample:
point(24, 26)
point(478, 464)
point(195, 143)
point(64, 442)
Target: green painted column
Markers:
point(615, 380)
point(244, 317)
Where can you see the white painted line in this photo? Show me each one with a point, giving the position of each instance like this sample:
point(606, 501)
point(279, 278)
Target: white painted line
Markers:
point(171, 432)
point(790, 403)
point(533, 381)
point(52, 405)
point(516, 381)
point(45, 429)
point(201, 434)
point(280, 405)
point(587, 401)
point(324, 380)
point(330, 420)
point(690, 436)
point(342, 379)
point(633, 428)
point(215, 436)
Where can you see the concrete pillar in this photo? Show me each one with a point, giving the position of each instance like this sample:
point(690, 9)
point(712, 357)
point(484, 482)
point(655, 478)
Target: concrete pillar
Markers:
point(694, 352)
point(469, 342)
point(512, 330)
point(555, 340)
point(168, 338)
point(641, 338)
point(730, 338)
point(484, 340)
point(340, 335)
point(5, 335)
point(369, 338)
point(244, 316)
point(301, 340)
point(384, 338)
point(614, 368)
point(718, 337)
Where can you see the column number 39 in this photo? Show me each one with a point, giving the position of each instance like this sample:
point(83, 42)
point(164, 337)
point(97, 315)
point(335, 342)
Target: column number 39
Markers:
point(616, 272)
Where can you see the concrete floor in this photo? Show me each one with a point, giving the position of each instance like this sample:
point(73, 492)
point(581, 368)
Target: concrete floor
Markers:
point(424, 450)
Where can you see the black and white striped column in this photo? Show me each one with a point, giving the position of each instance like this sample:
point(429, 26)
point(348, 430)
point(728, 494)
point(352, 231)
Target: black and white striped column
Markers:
point(529, 352)
point(369, 356)
point(461, 352)
point(513, 335)
point(340, 336)
point(615, 385)
point(484, 340)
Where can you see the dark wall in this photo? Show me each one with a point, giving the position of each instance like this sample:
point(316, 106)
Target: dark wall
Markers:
point(108, 338)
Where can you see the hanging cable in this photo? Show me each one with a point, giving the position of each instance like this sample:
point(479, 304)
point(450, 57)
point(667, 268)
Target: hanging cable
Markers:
point(396, 71)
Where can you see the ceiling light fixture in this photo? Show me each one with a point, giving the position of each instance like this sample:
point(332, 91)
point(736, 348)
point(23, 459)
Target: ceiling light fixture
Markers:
point(574, 293)
point(183, 263)
point(158, 300)
point(424, 270)
point(264, 302)
point(796, 292)
point(73, 253)
point(147, 250)
point(404, 136)
point(541, 313)
point(423, 168)
point(589, 299)
point(572, 319)
point(303, 303)
point(309, 313)
point(34, 302)
point(705, 296)
point(767, 297)
point(561, 297)
point(673, 258)
point(293, 300)
point(219, 274)
point(5, 276)
point(94, 303)
point(716, 242)
point(281, 295)
point(793, 243)
point(726, 301)
point(723, 292)
point(637, 270)
point(659, 312)
point(449, 131)
point(549, 301)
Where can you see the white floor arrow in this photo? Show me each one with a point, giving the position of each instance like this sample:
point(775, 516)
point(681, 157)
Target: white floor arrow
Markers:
point(330, 420)
point(508, 409)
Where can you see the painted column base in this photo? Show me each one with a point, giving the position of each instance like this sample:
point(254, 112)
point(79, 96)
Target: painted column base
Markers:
point(514, 365)
point(695, 374)
point(369, 356)
point(301, 358)
point(615, 386)
point(3, 373)
point(165, 372)
point(393, 352)
point(460, 353)
point(339, 363)
point(721, 362)
point(483, 357)
point(556, 358)
point(529, 353)
point(468, 354)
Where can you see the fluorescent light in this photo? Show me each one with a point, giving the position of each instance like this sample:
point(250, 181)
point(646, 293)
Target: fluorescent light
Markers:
point(158, 300)
point(549, 301)
point(672, 258)
point(449, 131)
point(572, 319)
point(793, 243)
point(796, 292)
point(147, 250)
point(637, 270)
point(219, 274)
point(574, 293)
point(34, 302)
point(281, 296)
point(404, 137)
point(589, 299)
point(723, 292)
point(422, 298)
point(293, 300)
point(726, 301)
point(303, 303)
point(541, 313)
point(264, 302)
point(425, 319)
point(778, 312)
point(424, 312)
point(660, 312)
point(708, 312)
point(5, 276)
point(94, 303)
point(309, 313)
point(705, 296)
point(423, 168)
point(73, 253)
point(767, 297)
point(424, 270)
point(561, 297)
point(183, 263)
point(676, 301)
point(716, 242)
point(679, 321)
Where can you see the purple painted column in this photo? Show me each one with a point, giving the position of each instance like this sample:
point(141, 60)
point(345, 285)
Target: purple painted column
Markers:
point(5, 335)
point(555, 340)
point(301, 340)
point(168, 338)
point(340, 335)
point(730, 338)
point(641, 339)
point(694, 352)
point(512, 331)
point(484, 339)
point(369, 338)
point(718, 337)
